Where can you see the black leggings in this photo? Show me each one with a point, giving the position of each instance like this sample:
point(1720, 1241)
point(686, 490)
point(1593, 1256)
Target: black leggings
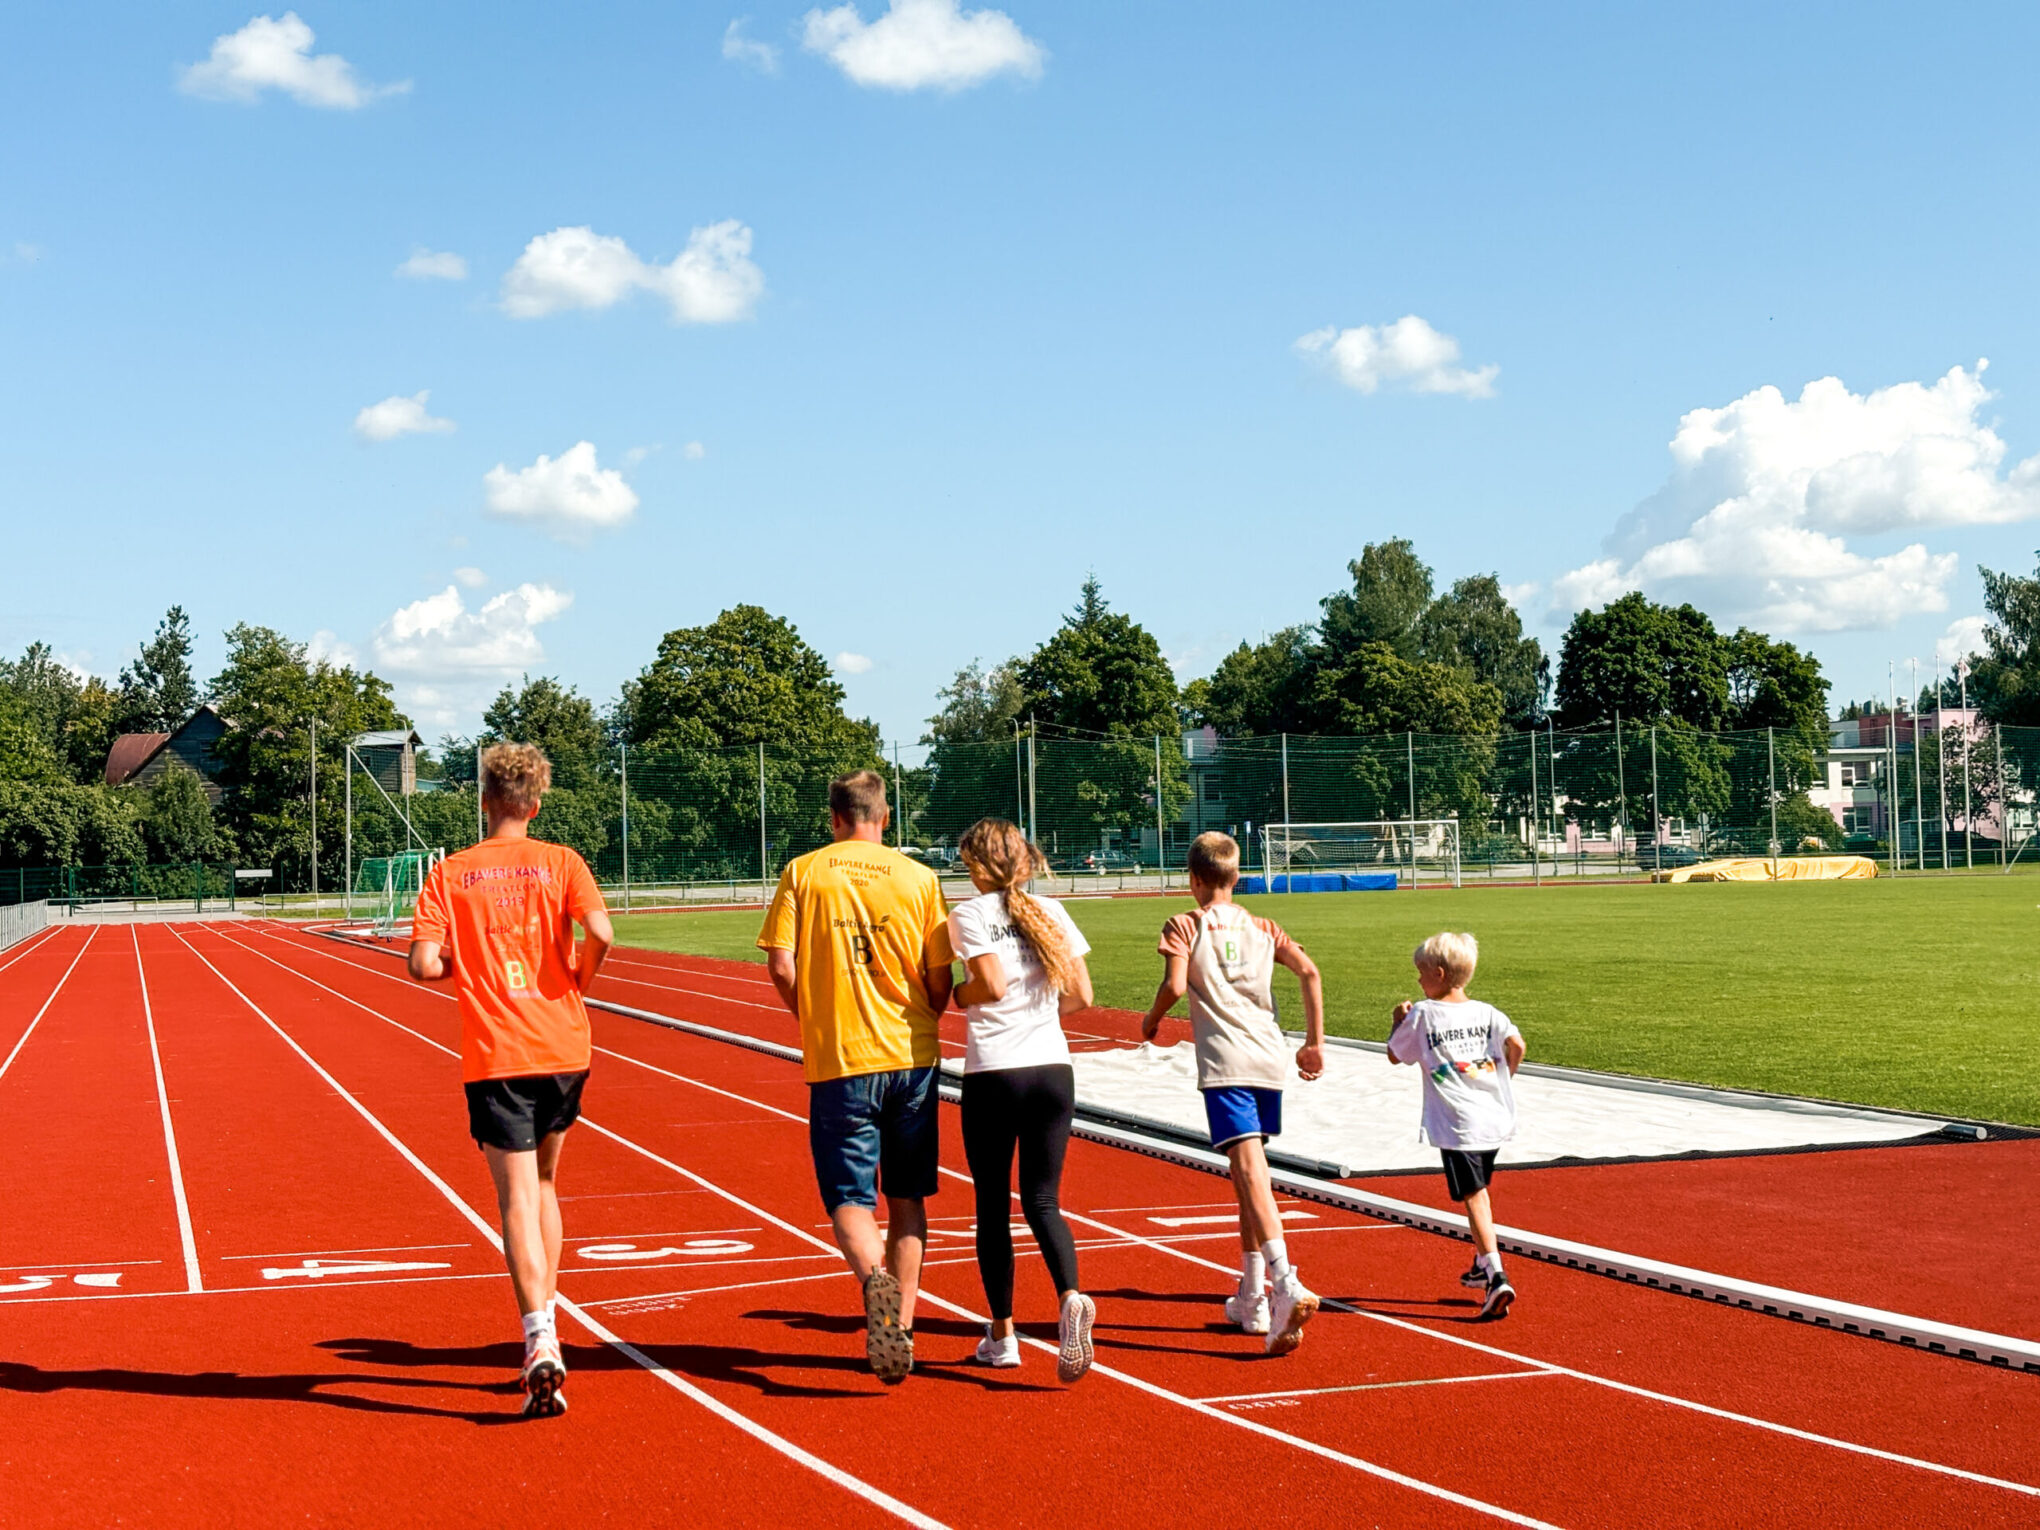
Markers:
point(1028, 1108)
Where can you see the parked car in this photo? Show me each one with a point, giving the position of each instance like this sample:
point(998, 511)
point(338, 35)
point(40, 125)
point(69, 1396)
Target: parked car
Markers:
point(1666, 857)
point(1102, 861)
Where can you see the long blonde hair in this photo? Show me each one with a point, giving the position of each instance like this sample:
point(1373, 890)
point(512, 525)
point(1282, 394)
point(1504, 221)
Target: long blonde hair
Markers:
point(1008, 860)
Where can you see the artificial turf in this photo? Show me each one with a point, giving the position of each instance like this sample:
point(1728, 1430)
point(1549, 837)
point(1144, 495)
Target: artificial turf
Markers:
point(1921, 993)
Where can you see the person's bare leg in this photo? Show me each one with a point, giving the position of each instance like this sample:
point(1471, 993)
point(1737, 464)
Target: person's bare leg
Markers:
point(906, 1236)
point(523, 1222)
point(1259, 1220)
point(551, 1229)
point(857, 1235)
point(1480, 1221)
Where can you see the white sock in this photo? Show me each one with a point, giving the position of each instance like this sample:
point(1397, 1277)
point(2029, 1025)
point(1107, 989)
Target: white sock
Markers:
point(538, 1325)
point(552, 1310)
point(1492, 1263)
point(1276, 1252)
point(1253, 1274)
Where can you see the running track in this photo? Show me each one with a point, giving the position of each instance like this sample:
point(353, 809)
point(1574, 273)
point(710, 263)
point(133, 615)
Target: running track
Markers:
point(257, 1134)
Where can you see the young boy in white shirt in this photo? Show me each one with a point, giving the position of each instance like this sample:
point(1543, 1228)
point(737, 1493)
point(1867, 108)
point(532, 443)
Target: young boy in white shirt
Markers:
point(1224, 959)
point(1469, 1106)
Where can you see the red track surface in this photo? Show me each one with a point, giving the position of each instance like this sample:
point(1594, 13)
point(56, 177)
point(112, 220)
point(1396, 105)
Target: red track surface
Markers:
point(316, 1111)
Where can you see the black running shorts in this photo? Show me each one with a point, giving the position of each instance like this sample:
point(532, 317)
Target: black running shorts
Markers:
point(516, 1114)
point(1466, 1174)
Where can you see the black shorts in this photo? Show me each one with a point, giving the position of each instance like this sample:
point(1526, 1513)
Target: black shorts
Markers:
point(1467, 1174)
point(516, 1114)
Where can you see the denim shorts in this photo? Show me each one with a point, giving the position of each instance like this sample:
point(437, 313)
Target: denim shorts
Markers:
point(873, 1133)
point(1235, 1112)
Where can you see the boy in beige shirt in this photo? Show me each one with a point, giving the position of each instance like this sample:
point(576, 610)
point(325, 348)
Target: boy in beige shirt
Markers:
point(1224, 958)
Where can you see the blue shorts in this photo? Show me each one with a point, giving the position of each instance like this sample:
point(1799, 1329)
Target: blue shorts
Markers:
point(1235, 1111)
point(874, 1131)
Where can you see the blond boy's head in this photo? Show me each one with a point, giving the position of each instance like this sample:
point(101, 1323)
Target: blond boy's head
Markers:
point(1451, 956)
point(514, 777)
point(1215, 859)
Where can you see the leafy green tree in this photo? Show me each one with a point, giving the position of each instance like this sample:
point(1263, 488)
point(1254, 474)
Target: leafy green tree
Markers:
point(177, 820)
point(971, 766)
point(2005, 683)
point(1778, 687)
point(1260, 688)
point(74, 713)
point(559, 720)
point(1380, 695)
point(1473, 627)
point(157, 692)
point(1645, 662)
point(54, 822)
point(1391, 589)
point(1802, 826)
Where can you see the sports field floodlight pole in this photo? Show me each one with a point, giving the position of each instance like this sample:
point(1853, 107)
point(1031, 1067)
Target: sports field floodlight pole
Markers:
point(623, 776)
point(315, 817)
point(1968, 824)
point(347, 865)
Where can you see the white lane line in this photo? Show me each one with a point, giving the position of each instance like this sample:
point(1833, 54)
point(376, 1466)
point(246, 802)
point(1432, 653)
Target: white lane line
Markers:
point(720, 998)
point(1728, 1415)
point(825, 1469)
point(1213, 1221)
point(4, 1066)
point(211, 1292)
point(1381, 1386)
point(334, 1253)
point(192, 1282)
point(85, 1264)
point(839, 1273)
point(1371, 1468)
point(35, 941)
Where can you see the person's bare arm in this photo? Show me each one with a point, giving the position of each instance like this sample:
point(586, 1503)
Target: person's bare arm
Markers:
point(941, 980)
point(428, 963)
point(1078, 995)
point(1402, 1013)
point(779, 963)
point(1310, 1057)
point(984, 980)
point(1175, 983)
point(1513, 1051)
point(598, 935)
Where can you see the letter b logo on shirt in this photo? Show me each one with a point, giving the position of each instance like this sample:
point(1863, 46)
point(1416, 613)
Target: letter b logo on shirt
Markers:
point(514, 975)
point(860, 949)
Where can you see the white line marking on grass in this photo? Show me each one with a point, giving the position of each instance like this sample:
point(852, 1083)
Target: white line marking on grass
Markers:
point(832, 1473)
point(4, 1066)
point(192, 1282)
point(1382, 1386)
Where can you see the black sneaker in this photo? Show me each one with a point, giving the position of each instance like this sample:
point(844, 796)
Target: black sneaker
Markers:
point(1500, 1295)
point(1475, 1277)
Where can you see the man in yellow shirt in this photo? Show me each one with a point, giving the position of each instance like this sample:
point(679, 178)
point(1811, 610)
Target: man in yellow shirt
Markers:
point(857, 938)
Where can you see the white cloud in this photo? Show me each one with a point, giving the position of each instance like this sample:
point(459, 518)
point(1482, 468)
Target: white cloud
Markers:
point(1963, 638)
point(739, 49)
point(1765, 491)
point(919, 44)
point(694, 451)
point(569, 495)
point(449, 658)
point(399, 415)
point(852, 664)
point(712, 281)
point(434, 266)
point(1408, 353)
point(276, 54)
point(326, 648)
point(470, 578)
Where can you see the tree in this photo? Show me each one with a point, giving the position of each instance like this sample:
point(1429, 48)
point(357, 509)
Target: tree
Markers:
point(1647, 662)
point(1262, 688)
point(978, 706)
point(74, 713)
point(1391, 588)
point(558, 719)
point(156, 691)
point(971, 768)
point(1379, 695)
point(2005, 682)
point(1473, 627)
point(1778, 687)
point(177, 820)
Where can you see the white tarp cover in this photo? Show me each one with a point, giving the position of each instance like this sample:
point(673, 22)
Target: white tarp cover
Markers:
point(1364, 1112)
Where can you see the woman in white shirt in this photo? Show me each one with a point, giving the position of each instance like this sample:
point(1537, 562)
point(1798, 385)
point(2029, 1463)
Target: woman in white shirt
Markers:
point(1025, 957)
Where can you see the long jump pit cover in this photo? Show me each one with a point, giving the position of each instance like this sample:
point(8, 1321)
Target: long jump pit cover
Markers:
point(1786, 868)
point(1364, 1111)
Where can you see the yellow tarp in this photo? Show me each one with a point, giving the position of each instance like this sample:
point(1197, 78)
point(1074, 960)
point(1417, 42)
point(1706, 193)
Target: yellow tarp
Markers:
point(1787, 868)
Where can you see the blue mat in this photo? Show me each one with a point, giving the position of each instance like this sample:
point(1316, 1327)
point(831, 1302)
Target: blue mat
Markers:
point(1321, 881)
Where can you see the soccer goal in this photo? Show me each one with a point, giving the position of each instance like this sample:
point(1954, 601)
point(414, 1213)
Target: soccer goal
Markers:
point(1415, 849)
point(392, 884)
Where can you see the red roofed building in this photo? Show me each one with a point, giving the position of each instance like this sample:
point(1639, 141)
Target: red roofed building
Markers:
point(138, 758)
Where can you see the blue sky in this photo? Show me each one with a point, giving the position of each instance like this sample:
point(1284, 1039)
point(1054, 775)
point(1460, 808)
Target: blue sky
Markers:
point(981, 301)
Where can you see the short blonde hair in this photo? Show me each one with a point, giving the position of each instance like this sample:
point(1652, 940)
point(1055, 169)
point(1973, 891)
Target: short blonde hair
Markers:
point(1215, 859)
point(1455, 955)
point(515, 776)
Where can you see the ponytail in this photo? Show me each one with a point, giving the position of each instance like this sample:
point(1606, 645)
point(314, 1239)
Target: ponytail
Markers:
point(1004, 855)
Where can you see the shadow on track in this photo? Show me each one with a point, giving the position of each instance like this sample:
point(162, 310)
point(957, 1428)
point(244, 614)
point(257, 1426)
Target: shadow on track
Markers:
point(305, 1387)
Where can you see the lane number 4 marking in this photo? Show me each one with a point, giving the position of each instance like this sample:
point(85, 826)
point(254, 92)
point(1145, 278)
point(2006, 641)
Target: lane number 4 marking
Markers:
point(700, 1248)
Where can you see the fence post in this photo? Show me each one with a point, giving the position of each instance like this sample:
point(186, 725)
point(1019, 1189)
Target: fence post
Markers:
point(1161, 838)
point(1621, 793)
point(1536, 834)
point(347, 840)
point(899, 802)
point(1410, 757)
point(198, 886)
point(1968, 724)
point(1771, 755)
point(2004, 806)
point(1657, 830)
point(1941, 766)
point(1033, 812)
point(764, 892)
point(623, 771)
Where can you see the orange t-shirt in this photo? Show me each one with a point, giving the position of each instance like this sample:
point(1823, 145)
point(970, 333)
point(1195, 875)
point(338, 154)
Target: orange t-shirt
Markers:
point(505, 912)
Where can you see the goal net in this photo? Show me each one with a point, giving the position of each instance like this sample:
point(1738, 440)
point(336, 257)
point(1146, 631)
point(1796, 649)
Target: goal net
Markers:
point(1415, 849)
point(392, 883)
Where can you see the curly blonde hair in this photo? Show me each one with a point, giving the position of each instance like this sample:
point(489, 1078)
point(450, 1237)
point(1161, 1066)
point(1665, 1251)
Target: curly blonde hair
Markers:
point(515, 776)
point(1009, 861)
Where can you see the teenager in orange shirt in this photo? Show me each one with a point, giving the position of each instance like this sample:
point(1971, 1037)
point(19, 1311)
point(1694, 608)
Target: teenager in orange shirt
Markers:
point(499, 920)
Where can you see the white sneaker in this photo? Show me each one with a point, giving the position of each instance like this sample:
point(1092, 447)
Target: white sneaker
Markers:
point(1290, 1307)
point(1002, 1354)
point(1250, 1312)
point(1075, 1355)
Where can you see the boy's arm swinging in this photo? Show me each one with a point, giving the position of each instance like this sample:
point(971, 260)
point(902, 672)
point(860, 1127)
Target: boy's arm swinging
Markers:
point(1175, 983)
point(1310, 1057)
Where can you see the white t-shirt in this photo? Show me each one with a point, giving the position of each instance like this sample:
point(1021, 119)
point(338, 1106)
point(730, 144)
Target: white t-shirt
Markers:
point(1468, 1102)
point(1024, 1029)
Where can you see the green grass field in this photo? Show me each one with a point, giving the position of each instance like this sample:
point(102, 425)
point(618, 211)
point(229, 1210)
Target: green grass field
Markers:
point(1918, 993)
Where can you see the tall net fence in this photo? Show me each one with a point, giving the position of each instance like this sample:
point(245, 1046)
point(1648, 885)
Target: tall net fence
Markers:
point(709, 824)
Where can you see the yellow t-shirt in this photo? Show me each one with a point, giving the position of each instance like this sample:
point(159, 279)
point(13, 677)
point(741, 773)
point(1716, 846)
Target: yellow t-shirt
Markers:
point(862, 921)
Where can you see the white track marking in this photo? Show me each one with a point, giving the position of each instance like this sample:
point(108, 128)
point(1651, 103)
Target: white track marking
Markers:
point(192, 1282)
point(40, 938)
point(4, 1066)
point(210, 1293)
point(750, 1426)
point(1380, 1386)
point(1604, 1381)
point(753, 1285)
point(1287, 1216)
point(720, 998)
point(336, 1253)
point(85, 1264)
